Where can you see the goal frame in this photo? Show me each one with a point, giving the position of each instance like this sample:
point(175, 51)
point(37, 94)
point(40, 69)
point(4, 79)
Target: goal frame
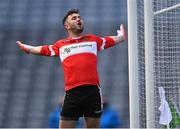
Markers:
point(149, 61)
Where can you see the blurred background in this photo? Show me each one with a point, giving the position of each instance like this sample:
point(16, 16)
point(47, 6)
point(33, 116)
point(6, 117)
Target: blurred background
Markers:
point(30, 85)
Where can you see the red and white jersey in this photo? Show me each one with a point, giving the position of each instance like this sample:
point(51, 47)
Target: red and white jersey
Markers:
point(79, 58)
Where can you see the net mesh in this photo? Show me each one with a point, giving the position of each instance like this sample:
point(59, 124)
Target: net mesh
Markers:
point(141, 63)
point(166, 33)
point(167, 54)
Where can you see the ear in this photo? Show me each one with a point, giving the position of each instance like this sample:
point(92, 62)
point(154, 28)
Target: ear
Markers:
point(66, 26)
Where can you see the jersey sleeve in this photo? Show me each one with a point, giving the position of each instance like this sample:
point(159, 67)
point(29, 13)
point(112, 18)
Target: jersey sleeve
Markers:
point(50, 50)
point(104, 42)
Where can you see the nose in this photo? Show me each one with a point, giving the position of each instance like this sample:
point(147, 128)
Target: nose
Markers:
point(78, 19)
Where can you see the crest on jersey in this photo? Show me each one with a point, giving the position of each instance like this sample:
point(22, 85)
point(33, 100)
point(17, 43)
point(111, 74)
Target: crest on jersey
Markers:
point(67, 50)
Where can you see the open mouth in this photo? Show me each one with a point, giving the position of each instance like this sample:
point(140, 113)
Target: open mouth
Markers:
point(79, 24)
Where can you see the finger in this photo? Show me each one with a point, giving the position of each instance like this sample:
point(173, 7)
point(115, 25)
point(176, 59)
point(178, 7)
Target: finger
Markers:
point(123, 31)
point(18, 42)
point(121, 27)
point(22, 47)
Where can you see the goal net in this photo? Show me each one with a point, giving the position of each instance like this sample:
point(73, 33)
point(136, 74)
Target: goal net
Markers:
point(154, 60)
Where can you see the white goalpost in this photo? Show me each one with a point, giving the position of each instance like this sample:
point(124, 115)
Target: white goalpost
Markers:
point(154, 59)
point(133, 62)
point(149, 63)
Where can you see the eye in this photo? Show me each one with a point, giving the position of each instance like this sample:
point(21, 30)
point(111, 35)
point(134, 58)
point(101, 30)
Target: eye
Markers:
point(79, 17)
point(74, 18)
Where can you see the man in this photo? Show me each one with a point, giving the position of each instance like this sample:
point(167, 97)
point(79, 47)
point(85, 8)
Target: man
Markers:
point(78, 55)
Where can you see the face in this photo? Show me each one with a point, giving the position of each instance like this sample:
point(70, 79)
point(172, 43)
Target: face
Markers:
point(74, 23)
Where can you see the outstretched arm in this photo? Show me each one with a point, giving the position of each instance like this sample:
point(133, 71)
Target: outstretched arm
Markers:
point(121, 35)
point(29, 49)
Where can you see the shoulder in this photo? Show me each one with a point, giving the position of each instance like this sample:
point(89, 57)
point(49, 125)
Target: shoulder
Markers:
point(61, 42)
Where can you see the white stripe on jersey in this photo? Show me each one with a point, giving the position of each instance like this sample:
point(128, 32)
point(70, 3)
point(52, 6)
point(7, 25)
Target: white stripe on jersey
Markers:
point(103, 43)
point(83, 47)
point(101, 97)
point(52, 51)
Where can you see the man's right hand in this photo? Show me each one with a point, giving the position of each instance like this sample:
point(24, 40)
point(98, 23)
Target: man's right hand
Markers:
point(29, 49)
point(25, 48)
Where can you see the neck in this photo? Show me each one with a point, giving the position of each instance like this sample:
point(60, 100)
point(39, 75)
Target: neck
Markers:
point(74, 35)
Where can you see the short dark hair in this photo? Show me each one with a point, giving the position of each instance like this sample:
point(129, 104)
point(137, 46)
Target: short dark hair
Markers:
point(69, 13)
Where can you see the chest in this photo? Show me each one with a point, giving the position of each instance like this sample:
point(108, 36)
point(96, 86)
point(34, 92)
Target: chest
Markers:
point(77, 48)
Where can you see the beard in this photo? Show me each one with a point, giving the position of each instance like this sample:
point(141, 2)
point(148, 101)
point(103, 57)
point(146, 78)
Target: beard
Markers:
point(77, 29)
